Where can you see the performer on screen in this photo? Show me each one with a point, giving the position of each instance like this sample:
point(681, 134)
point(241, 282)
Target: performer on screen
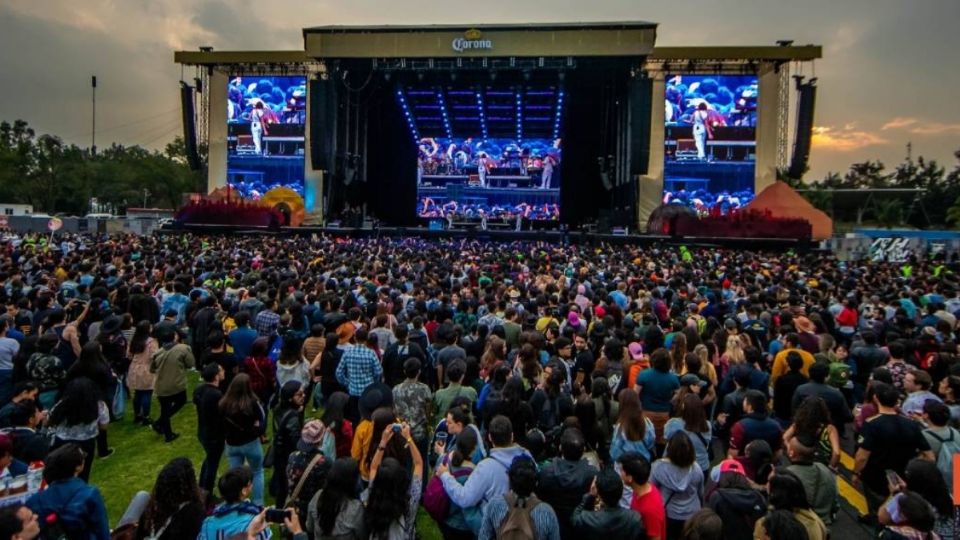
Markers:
point(548, 164)
point(258, 127)
point(701, 130)
point(484, 163)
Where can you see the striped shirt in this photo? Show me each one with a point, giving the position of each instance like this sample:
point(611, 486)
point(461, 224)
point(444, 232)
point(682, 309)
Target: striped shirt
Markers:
point(545, 525)
point(359, 368)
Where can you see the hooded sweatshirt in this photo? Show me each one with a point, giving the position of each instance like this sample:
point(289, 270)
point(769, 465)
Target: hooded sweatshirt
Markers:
point(681, 489)
point(488, 480)
point(78, 507)
point(299, 371)
point(231, 519)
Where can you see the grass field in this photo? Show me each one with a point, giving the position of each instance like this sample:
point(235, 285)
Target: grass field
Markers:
point(141, 453)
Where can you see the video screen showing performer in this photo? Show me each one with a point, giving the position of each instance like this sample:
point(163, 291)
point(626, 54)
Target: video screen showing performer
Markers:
point(266, 117)
point(488, 178)
point(710, 141)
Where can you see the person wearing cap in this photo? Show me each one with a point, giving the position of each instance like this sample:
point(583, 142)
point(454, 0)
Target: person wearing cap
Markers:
point(313, 457)
point(807, 334)
point(736, 501)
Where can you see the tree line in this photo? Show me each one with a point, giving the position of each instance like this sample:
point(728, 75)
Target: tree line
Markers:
point(56, 177)
point(937, 206)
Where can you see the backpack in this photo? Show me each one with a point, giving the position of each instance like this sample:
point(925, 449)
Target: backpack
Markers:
point(839, 374)
point(518, 524)
point(435, 499)
point(948, 448)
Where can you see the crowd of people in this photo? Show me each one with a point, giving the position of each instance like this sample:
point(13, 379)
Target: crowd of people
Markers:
point(507, 390)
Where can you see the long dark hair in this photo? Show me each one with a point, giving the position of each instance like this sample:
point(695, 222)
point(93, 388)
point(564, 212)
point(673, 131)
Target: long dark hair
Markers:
point(382, 419)
point(811, 417)
point(138, 343)
point(176, 484)
point(333, 413)
point(239, 397)
point(341, 486)
point(924, 477)
point(693, 415)
point(389, 497)
point(787, 491)
point(466, 444)
point(79, 404)
point(90, 361)
point(632, 422)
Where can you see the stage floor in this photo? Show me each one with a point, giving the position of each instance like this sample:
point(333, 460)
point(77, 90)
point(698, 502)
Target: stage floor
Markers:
point(552, 236)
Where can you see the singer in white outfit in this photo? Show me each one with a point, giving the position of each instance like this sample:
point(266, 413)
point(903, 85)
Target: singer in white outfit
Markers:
point(258, 126)
point(701, 130)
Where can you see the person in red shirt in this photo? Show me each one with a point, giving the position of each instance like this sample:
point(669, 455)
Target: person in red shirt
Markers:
point(646, 500)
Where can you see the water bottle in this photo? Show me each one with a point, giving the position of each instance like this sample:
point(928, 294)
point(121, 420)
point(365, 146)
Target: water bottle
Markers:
point(34, 476)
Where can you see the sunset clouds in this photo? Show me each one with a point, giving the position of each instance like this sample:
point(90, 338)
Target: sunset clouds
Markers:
point(886, 78)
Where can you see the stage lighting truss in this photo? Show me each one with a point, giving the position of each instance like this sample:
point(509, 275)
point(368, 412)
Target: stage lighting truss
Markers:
point(411, 122)
point(443, 111)
point(482, 114)
point(519, 116)
point(518, 112)
point(556, 122)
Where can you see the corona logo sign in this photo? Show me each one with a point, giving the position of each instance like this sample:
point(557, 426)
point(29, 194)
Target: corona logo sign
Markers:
point(471, 40)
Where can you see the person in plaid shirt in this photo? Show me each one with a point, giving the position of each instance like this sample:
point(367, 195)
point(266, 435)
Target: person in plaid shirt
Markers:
point(268, 320)
point(359, 368)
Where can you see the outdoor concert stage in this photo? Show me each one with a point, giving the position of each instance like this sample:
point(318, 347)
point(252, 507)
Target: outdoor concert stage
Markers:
point(406, 123)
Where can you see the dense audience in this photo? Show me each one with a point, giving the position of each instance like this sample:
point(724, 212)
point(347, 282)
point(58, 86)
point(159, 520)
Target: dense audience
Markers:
point(505, 390)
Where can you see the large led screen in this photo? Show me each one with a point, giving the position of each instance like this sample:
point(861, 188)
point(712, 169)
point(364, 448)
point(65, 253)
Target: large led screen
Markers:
point(266, 117)
point(710, 141)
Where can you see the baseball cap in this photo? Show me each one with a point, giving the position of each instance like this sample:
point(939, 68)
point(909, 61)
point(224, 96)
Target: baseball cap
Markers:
point(636, 350)
point(727, 465)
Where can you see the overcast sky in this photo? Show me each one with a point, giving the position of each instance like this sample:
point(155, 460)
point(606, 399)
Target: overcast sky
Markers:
point(889, 75)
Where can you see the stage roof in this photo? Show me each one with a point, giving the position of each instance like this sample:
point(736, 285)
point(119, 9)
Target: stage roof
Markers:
point(486, 40)
point(772, 52)
point(540, 27)
point(215, 58)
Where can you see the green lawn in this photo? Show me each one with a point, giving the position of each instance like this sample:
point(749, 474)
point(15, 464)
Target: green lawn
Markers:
point(141, 453)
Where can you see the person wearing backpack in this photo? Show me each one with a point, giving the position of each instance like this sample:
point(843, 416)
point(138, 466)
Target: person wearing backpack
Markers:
point(69, 506)
point(518, 514)
point(454, 521)
point(489, 480)
point(735, 500)
point(944, 440)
